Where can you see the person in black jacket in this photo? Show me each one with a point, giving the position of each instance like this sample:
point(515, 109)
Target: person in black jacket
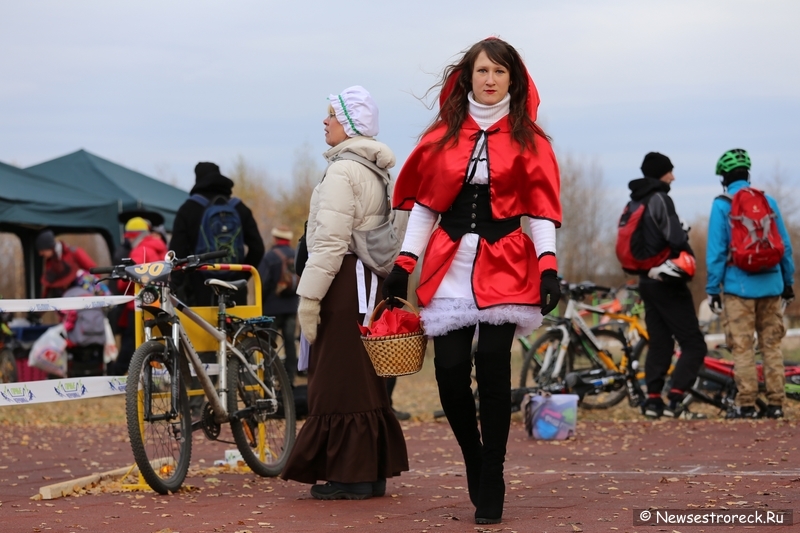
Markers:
point(669, 308)
point(282, 306)
point(209, 182)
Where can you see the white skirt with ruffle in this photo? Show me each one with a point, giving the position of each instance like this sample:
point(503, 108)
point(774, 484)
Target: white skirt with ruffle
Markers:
point(453, 305)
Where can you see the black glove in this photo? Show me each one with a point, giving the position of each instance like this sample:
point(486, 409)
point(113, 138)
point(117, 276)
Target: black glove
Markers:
point(715, 303)
point(788, 293)
point(396, 285)
point(549, 290)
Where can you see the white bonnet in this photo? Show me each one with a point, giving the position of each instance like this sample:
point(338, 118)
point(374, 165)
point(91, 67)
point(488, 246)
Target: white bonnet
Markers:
point(356, 111)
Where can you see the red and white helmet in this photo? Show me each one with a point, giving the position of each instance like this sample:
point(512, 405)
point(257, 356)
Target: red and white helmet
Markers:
point(682, 267)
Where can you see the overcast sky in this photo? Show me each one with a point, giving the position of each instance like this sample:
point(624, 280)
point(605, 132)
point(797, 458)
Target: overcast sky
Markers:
point(159, 86)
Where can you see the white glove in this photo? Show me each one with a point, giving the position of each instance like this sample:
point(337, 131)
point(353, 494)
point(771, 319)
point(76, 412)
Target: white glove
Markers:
point(685, 226)
point(308, 316)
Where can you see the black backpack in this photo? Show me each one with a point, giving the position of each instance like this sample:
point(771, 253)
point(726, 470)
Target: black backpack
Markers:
point(220, 228)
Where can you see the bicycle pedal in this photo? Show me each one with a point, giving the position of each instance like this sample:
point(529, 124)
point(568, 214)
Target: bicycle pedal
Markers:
point(267, 404)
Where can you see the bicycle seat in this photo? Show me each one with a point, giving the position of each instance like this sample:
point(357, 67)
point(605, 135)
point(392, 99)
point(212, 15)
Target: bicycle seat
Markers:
point(220, 286)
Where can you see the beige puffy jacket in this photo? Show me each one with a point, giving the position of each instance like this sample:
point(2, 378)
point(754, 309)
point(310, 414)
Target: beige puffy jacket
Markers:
point(350, 197)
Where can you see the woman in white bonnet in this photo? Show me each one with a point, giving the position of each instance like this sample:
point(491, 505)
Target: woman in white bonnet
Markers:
point(351, 439)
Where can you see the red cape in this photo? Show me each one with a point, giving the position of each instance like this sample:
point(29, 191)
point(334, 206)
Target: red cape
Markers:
point(520, 183)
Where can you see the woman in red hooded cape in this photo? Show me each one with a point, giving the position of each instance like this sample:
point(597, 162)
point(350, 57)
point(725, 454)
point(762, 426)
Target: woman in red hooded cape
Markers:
point(480, 166)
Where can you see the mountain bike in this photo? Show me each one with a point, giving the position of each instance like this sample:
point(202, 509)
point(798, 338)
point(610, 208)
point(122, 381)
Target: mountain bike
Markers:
point(570, 345)
point(252, 392)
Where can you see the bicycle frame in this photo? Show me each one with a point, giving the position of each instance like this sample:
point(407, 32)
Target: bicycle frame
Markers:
point(178, 338)
point(573, 317)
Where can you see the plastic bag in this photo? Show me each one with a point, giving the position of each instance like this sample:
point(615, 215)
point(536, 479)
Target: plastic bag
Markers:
point(550, 417)
point(305, 353)
point(110, 350)
point(49, 352)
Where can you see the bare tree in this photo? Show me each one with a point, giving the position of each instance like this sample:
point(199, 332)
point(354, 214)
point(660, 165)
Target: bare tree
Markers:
point(786, 193)
point(698, 238)
point(294, 203)
point(253, 186)
point(587, 236)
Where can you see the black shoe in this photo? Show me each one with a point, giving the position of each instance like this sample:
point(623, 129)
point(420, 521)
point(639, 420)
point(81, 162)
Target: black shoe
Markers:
point(653, 408)
point(745, 411)
point(379, 488)
point(680, 409)
point(682, 413)
point(490, 499)
point(774, 411)
point(342, 491)
point(401, 415)
point(474, 465)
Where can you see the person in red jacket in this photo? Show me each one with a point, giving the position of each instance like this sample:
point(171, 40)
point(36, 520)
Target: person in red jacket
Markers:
point(147, 246)
point(482, 165)
point(61, 263)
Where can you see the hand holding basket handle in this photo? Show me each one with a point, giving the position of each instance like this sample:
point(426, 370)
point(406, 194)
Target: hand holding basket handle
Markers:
point(395, 286)
point(395, 354)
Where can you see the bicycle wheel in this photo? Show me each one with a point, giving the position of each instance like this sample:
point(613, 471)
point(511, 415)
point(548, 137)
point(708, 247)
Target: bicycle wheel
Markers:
point(264, 430)
point(532, 373)
point(613, 345)
point(8, 366)
point(640, 352)
point(159, 425)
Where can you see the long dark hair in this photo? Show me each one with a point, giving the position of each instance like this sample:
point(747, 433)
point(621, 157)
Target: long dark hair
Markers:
point(453, 111)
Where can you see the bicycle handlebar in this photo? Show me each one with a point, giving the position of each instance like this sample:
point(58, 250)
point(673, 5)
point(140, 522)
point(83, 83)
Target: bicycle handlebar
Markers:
point(188, 263)
point(218, 254)
point(578, 290)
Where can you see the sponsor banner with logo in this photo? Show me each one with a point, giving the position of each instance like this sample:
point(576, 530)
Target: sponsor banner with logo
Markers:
point(57, 390)
point(41, 305)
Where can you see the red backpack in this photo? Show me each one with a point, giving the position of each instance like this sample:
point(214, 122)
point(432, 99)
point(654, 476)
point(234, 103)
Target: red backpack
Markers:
point(626, 229)
point(756, 243)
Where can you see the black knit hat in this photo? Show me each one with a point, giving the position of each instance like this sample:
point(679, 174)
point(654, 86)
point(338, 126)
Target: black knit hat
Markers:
point(656, 165)
point(208, 179)
point(45, 241)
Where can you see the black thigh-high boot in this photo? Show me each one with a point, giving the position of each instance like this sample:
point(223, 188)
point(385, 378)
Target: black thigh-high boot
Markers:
point(455, 393)
point(494, 390)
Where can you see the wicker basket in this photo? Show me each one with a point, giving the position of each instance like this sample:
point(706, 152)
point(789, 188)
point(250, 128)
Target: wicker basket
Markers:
point(396, 355)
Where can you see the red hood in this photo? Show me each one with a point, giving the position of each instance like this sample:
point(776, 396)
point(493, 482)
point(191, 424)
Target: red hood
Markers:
point(533, 93)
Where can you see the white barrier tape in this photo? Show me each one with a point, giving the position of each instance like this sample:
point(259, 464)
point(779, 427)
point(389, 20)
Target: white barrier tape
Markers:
point(57, 390)
point(212, 369)
point(720, 337)
point(40, 305)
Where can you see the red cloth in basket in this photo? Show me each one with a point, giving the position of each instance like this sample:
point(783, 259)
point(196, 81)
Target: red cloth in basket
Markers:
point(393, 321)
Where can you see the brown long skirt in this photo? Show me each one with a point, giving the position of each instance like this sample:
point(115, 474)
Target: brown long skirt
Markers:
point(351, 434)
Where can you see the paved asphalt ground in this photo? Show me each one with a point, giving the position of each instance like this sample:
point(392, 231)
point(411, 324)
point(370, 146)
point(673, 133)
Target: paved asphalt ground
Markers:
point(590, 483)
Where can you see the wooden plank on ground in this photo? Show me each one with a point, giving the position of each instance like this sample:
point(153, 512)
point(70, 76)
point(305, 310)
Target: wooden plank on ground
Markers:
point(65, 488)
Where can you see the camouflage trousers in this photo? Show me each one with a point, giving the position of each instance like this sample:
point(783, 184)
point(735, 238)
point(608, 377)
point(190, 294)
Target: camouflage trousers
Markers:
point(744, 317)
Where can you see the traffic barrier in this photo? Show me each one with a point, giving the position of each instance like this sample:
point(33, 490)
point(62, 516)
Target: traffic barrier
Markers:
point(42, 305)
point(53, 390)
point(56, 390)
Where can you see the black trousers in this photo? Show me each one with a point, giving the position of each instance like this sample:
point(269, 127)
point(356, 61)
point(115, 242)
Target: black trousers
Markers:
point(670, 315)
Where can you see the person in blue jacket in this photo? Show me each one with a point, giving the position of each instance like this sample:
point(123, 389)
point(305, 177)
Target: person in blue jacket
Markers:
point(751, 302)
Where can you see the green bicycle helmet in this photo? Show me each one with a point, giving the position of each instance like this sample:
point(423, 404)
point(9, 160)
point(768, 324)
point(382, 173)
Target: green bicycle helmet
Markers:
point(732, 159)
